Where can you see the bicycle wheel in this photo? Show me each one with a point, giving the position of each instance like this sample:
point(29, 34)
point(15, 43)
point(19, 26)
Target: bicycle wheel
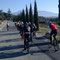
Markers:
point(49, 44)
point(55, 44)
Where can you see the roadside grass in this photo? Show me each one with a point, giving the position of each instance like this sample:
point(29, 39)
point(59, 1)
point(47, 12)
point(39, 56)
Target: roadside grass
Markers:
point(43, 29)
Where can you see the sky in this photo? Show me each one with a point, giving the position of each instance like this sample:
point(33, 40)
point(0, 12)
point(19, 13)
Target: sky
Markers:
point(17, 5)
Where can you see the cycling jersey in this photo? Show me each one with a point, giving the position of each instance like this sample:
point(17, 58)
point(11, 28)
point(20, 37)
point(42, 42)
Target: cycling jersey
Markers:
point(53, 27)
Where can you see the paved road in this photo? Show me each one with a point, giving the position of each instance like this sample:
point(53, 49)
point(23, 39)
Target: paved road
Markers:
point(11, 47)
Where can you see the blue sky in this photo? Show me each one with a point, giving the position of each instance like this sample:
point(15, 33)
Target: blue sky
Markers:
point(16, 5)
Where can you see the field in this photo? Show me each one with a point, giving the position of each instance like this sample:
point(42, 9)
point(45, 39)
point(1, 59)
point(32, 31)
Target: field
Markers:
point(43, 29)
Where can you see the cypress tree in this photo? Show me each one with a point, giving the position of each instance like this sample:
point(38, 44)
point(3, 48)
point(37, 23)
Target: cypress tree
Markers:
point(31, 15)
point(9, 14)
point(59, 12)
point(27, 16)
point(36, 15)
point(23, 16)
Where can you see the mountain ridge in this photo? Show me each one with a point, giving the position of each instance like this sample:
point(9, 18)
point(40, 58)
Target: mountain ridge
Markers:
point(47, 14)
point(41, 13)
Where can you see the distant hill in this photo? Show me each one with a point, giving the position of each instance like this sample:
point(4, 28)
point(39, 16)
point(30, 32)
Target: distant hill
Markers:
point(47, 14)
point(16, 13)
point(42, 13)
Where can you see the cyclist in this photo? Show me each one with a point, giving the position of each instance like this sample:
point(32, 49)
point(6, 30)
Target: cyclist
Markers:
point(21, 29)
point(7, 26)
point(53, 31)
point(34, 30)
point(31, 31)
point(26, 29)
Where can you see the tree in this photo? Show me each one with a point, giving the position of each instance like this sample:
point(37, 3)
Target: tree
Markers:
point(59, 12)
point(5, 15)
point(36, 15)
point(2, 17)
point(23, 16)
point(15, 18)
point(27, 15)
point(9, 14)
point(31, 15)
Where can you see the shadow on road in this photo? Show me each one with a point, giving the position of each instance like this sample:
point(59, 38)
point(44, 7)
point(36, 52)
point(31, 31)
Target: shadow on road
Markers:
point(11, 40)
point(41, 38)
point(11, 55)
point(50, 53)
point(15, 54)
point(9, 34)
point(42, 48)
point(20, 46)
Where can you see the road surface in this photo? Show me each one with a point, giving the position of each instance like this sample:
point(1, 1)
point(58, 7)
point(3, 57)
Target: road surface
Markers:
point(11, 47)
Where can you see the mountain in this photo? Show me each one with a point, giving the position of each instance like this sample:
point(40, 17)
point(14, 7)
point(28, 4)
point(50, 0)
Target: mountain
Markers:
point(41, 13)
point(47, 14)
point(16, 13)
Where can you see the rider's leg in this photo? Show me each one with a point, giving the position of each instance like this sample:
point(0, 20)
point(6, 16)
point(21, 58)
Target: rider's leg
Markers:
point(27, 43)
point(55, 33)
point(56, 42)
point(27, 40)
point(24, 41)
point(24, 44)
point(51, 37)
point(31, 37)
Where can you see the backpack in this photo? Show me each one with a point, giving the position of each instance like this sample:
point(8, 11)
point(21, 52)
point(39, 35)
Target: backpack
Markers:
point(28, 28)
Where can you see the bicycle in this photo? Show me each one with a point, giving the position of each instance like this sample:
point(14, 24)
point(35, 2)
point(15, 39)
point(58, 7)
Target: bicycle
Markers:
point(54, 42)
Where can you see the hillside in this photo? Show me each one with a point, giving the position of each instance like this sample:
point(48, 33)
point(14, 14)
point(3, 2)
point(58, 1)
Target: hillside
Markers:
point(42, 13)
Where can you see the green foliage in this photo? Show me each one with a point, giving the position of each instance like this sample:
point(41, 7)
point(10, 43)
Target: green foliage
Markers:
point(27, 15)
point(23, 16)
point(2, 17)
point(5, 15)
point(14, 18)
point(36, 16)
point(59, 12)
point(9, 14)
point(17, 17)
point(31, 15)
